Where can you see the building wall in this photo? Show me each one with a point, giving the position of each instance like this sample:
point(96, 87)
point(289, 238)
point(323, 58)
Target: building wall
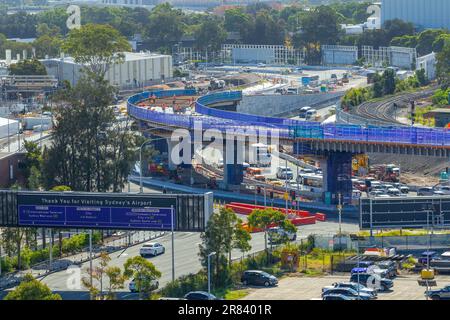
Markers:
point(9, 171)
point(424, 14)
point(428, 63)
point(339, 55)
point(133, 72)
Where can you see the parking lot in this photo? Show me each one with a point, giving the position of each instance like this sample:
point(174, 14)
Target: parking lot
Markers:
point(310, 288)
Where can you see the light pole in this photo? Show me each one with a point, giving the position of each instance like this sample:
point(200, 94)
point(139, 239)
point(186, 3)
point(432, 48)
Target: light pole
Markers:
point(173, 242)
point(141, 187)
point(209, 272)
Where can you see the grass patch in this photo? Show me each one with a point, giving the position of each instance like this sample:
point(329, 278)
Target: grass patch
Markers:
point(398, 233)
point(235, 294)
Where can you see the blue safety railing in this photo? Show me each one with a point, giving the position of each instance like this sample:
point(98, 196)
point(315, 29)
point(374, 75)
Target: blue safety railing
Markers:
point(211, 118)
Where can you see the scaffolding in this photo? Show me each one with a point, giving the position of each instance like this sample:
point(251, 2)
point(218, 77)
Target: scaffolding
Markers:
point(392, 56)
point(270, 54)
point(339, 55)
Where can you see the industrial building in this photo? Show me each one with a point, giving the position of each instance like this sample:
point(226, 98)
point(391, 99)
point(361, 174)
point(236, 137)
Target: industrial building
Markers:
point(428, 63)
point(137, 69)
point(8, 127)
point(339, 55)
point(424, 14)
point(269, 54)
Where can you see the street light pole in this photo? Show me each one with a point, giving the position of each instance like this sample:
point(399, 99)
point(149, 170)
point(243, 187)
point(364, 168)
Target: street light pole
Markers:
point(173, 243)
point(209, 272)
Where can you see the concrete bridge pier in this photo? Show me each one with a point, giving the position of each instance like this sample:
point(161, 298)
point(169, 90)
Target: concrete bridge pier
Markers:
point(233, 174)
point(337, 176)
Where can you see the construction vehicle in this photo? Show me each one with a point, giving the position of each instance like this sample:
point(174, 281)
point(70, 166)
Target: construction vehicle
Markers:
point(215, 84)
point(360, 164)
point(386, 173)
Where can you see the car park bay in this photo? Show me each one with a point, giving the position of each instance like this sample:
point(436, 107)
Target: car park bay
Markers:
point(310, 288)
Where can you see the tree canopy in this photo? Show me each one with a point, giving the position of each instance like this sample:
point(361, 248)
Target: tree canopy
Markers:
point(96, 47)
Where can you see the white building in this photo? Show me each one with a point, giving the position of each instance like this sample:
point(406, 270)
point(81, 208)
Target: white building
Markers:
point(428, 63)
point(137, 69)
point(8, 127)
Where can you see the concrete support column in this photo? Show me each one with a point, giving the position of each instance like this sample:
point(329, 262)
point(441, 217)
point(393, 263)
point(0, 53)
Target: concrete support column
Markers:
point(170, 146)
point(337, 176)
point(232, 168)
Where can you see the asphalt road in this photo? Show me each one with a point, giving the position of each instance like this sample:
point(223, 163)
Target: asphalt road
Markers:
point(186, 259)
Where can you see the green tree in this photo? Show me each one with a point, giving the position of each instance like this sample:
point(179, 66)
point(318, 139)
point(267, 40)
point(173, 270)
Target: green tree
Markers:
point(96, 47)
point(47, 45)
point(165, 26)
point(236, 20)
point(116, 281)
point(267, 218)
point(218, 238)
point(98, 273)
point(143, 272)
point(31, 289)
point(241, 238)
point(422, 77)
point(90, 150)
point(388, 80)
point(30, 67)
point(210, 35)
point(443, 66)
point(397, 28)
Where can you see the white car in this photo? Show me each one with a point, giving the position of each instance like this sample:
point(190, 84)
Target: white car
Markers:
point(152, 249)
point(132, 285)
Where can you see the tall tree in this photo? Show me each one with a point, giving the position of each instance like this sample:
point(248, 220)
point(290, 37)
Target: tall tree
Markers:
point(221, 235)
point(165, 27)
point(96, 47)
point(267, 218)
point(210, 35)
point(90, 150)
point(30, 67)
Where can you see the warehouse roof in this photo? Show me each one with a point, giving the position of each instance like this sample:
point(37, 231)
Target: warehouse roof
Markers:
point(129, 56)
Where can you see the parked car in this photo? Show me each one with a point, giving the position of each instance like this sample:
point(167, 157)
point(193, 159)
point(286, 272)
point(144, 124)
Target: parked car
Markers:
point(338, 297)
point(152, 249)
point(439, 294)
point(404, 189)
point(374, 280)
point(349, 292)
point(200, 295)
point(390, 266)
point(258, 278)
point(372, 270)
point(425, 191)
point(277, 235)
point(444, 189)
point(355, 286)
point(394, 192)
point(132, 285)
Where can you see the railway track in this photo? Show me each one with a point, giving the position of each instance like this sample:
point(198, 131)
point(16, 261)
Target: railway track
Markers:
point(384, 111)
